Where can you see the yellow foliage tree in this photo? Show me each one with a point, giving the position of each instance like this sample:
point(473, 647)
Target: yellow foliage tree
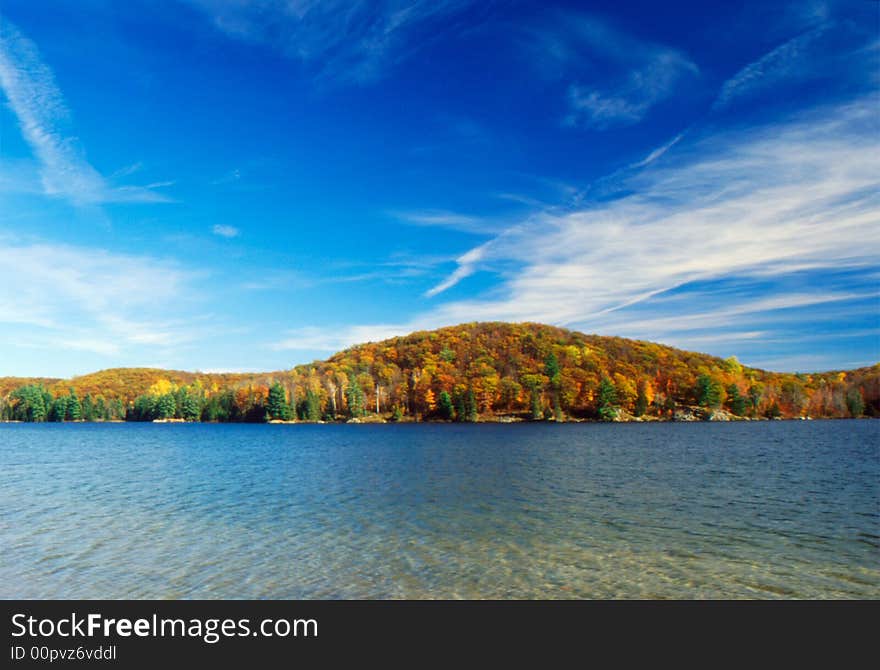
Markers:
point(430, 400)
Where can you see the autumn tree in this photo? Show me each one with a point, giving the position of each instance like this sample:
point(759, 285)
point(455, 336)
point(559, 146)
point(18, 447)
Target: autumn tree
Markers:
point(429, 400)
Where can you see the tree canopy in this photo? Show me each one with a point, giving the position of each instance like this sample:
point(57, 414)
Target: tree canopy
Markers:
point(461, 373)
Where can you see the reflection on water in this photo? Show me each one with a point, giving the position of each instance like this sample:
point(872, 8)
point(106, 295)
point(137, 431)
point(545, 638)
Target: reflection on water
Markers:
point(746, 510)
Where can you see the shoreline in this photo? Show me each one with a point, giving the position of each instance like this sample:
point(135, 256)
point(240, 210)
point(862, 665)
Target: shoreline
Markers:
point(498, 420)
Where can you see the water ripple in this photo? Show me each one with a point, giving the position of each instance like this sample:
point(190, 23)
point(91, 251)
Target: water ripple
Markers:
point(768, 510)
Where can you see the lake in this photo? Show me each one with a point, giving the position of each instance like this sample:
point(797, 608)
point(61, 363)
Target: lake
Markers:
point(662, 510)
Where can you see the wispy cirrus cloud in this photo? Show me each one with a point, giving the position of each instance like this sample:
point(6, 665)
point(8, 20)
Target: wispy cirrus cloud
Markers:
point(785, 203)
point(467, 265)
point(312, 338)
point(615, 77)
point(94, 300)
point(775, 199)
point(467, 223)
point(44, 119)
point(658, 152)
point(228, 232)
point(354, 41)
point(780, 64)
point(830, 50)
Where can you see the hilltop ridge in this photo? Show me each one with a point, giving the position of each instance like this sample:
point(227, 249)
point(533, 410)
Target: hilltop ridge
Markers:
point(473, 371)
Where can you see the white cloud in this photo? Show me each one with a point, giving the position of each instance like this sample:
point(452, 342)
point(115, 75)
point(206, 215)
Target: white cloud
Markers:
point(453, 220)
point(775, 66)
point(349, 40)
point(658, 152)
point(763, 204)
point(616, 77)
point(333, 339)
point(33, 96)
point(467, 264)
point(86, 299)
point(225, 231)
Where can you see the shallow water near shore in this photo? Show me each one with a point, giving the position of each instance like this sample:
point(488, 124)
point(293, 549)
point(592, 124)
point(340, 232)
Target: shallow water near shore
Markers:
point(744, 510)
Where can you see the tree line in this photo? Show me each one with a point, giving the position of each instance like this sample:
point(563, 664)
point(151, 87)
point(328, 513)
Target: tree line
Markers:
point(464, 373)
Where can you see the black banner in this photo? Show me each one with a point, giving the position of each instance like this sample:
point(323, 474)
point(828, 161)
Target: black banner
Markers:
point(274, 633)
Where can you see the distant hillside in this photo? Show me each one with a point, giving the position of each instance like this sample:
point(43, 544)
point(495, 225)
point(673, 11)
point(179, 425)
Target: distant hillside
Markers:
point(475, 371)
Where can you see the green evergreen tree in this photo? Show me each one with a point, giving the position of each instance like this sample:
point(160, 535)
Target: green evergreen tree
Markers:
point(554, 373)
point(354, 395)
point(444, 406)
point(166, 406)
point(855, 403)
point(641, 399)
point(74, 408)
point(606, 399)
point(309, 408)
point(58, 409)
point(471, 413)
point(29, 403)
point(143, 409)
point(708, 392)
point(115, 409)
point(534, 385)
point(276, 404)
point(189, 407)
point(736, 402)
point(755, 392)
point(460, 401)
point(551, 369)
point(88, 408)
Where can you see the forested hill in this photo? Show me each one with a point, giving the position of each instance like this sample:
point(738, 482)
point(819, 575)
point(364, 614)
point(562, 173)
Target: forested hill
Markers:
point(470, 372)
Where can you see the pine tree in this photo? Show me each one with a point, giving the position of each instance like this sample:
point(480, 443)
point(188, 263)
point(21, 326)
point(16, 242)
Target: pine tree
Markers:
point(708, 392)
point(58, 409)
point(606, 400)
point(276, 404)
point(354, 395)
point(189, 407)
point(74, 408)
point(641, 399)
point(444, 406)
point(309, 408)
point(471, 407)
point(165, 406)
point(855, 403)
point(735, 401)
point(88, 408)
point(553, 372)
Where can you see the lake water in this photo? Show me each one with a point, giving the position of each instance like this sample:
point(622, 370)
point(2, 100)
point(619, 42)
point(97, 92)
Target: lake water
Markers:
point(740, 510)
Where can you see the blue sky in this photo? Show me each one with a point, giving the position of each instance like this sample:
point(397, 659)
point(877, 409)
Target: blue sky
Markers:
point(247, 185)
